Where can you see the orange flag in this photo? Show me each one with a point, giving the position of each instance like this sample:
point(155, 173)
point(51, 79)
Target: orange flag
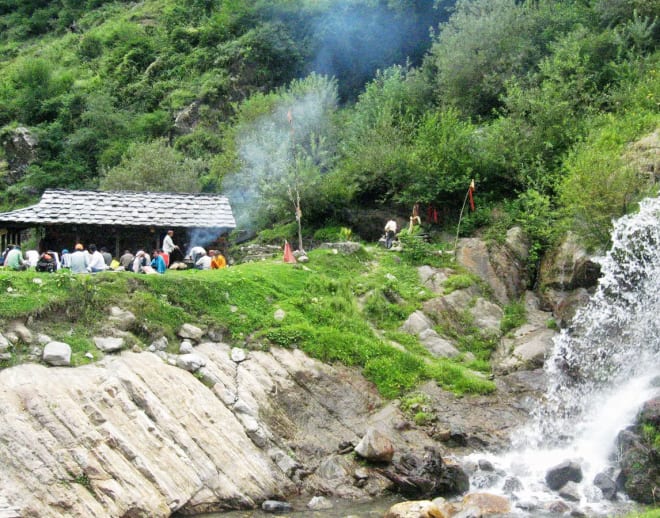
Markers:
point(470, 195)
point(288, 254)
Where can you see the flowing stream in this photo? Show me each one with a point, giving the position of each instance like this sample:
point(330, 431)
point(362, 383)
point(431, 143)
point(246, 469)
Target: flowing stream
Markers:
point(603, 368)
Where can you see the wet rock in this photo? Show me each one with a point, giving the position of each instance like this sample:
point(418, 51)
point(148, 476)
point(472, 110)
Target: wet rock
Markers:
point(606, 485)
point(415, 509)
point(319, 503)
point(559, 475)
point(640, 470)
point(569, 266)
point(428, 475)
point(511, 485)
point(487, 504)
point(276, 506)
point(485, 465)
point(570, 491)
point(375, 446)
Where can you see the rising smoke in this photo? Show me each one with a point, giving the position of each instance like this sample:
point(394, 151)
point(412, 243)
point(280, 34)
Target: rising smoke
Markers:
point(270, 147)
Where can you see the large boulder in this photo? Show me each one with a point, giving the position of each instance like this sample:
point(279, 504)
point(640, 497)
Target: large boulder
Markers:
point(416, 323)
point(639, 477)
point(436, 345)
point(20, 146)
point(526, 349)
point(18, 329)
point(415, 509)
point(502, 267)
point(559, 475)
point(569, 266)
point(434, 278)
point(57, 353)
point(109, 344)
point(375, 446)
point(427, 476)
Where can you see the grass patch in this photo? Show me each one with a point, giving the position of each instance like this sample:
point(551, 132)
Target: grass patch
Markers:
point(460, 281)
point(515, 315)
point(320, 303)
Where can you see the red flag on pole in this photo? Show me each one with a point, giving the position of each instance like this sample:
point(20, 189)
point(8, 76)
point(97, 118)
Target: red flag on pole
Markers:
point(470, 195)
point(288, 254)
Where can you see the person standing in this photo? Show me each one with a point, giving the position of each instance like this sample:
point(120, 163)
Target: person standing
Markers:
point(169, 247)
point(79, 259)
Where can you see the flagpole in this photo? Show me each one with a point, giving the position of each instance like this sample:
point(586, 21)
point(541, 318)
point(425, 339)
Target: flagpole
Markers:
point(460, 217)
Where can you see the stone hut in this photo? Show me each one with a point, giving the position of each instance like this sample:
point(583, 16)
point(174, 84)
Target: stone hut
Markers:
point(119, 220)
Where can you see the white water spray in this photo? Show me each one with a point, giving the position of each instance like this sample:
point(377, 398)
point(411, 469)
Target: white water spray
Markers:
point(600, 373)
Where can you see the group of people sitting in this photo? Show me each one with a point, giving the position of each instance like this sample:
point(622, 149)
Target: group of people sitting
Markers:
point(93, 260)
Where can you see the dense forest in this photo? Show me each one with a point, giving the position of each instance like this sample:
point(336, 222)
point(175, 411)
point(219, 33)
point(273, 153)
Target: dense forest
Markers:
point(370, 103)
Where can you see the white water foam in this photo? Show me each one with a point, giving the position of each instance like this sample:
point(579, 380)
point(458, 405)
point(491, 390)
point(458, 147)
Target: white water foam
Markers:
point(603, 368)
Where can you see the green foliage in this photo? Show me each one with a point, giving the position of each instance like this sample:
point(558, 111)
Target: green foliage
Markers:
point(602, 182)
point(416, 251)
point(460, 282)
point(416, 405)
point(154, 166)
point(515, 315)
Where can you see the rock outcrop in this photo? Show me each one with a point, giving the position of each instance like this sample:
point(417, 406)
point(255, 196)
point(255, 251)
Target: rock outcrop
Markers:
point(132, 435)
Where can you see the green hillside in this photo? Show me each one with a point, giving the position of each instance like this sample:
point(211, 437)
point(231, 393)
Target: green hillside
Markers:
point(349, 103)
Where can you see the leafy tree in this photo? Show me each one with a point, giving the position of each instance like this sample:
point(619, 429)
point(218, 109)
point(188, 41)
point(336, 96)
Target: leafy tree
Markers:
point(154, 166)
point(443, 162)
point(488, 42)
point(378, 133)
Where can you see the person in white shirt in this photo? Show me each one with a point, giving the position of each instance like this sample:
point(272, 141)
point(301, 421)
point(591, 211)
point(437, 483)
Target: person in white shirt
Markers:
point(96, 261)
point(168, 243)
point(204, 262)
point(196, 252)
point(390, 233)
point(32, 257)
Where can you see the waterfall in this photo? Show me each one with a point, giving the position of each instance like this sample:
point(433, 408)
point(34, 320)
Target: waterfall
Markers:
point(602, 368)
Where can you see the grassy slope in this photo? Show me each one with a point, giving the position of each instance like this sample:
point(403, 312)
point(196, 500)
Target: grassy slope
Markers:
point(337, 309)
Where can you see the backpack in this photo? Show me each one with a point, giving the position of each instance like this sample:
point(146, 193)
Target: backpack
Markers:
point(46, 263)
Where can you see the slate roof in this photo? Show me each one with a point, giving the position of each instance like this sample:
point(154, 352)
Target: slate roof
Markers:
point(126, 208)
